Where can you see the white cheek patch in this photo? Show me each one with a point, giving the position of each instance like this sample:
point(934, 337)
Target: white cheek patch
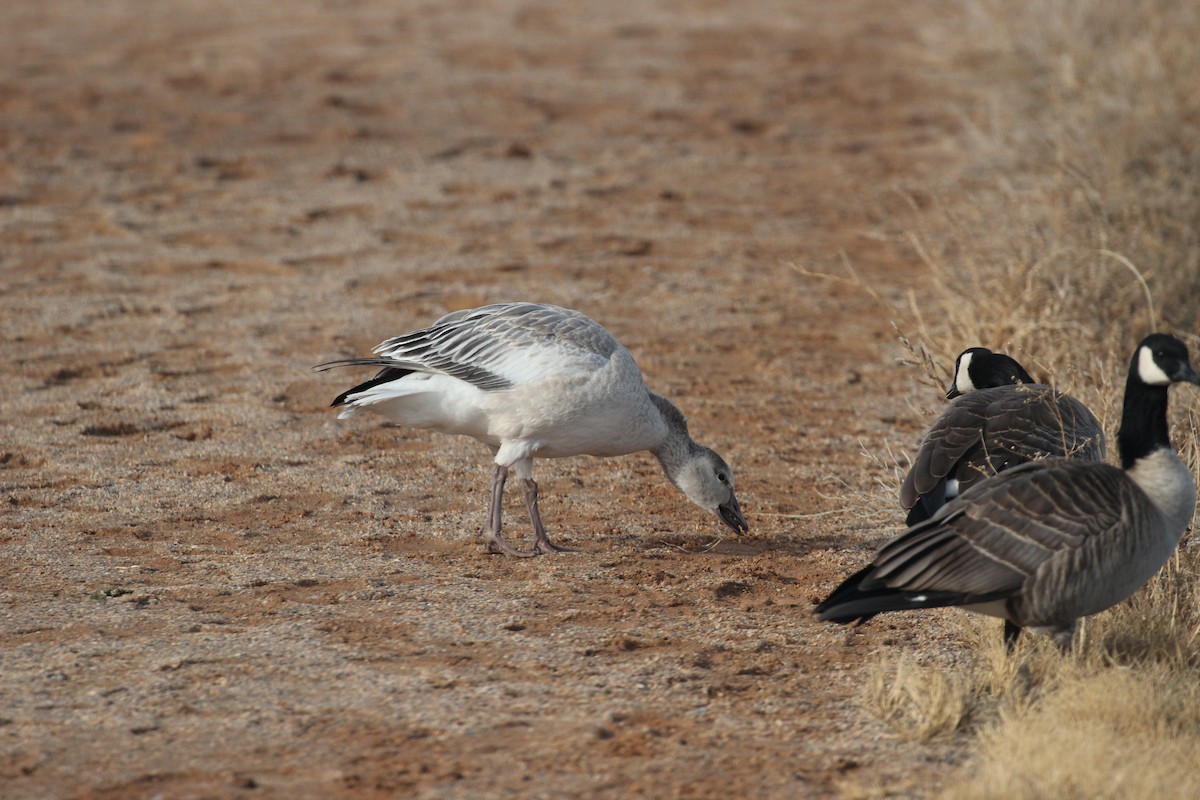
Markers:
point(962, 377)
point(1149, 371)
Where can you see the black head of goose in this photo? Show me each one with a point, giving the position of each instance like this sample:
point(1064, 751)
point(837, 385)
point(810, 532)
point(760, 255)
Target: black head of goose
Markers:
point(998, 417)
point(1047, 542)
point(980, 368)
point(535, 380)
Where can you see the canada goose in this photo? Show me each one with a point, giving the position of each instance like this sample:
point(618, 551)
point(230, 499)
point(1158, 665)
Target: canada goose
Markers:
point(534, 380)
point(1047, 542)
point(998, 418)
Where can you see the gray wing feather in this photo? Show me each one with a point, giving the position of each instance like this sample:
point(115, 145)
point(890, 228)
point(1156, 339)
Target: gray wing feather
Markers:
point(472, 344)
point(992, 538)
point(990, 430)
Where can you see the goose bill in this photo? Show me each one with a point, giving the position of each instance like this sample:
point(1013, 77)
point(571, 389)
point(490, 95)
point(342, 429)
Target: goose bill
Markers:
point(1188, 373)
point(731, 515)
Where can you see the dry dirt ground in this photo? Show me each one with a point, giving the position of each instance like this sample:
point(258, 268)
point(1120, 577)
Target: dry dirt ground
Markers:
point(212, 588)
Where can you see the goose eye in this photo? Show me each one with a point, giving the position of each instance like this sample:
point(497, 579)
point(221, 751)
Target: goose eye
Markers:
point(721, 477)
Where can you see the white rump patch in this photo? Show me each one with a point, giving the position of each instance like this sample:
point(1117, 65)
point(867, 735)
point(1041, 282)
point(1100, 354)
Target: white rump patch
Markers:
point(1149, 370)
point(962, 375)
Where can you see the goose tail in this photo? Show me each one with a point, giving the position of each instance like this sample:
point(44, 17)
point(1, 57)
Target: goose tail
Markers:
point(862, 596)
point(376, 390)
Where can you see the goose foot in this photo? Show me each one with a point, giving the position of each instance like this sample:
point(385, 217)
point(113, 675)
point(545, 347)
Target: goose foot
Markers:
point(546, 546)
point(496, 544)
point(541, 542)
point(1064, 637)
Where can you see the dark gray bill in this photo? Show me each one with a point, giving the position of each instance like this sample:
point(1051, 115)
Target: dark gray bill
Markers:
point(731, 515)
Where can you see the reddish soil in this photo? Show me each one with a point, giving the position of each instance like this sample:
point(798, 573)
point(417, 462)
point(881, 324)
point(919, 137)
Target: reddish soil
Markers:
point(213, 588)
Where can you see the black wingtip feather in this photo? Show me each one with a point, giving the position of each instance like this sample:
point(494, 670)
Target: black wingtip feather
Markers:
point(865, 605)
point(848, 589)
point(386, 375)
point(862, 596)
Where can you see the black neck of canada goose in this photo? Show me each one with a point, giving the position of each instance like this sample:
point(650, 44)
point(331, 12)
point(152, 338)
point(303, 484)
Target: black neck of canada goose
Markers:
point(1143, 418)
point(1159, 361)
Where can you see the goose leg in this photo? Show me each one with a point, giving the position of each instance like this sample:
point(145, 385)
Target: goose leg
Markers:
point(541, 542)
point(1011, 632)
point(1064, 637)
point(491, 531)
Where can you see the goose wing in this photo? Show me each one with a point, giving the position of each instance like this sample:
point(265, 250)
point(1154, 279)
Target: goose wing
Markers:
point(990, 430)
point(953, 434)
point(989, 540)
point(498, 347)
point(1032, 422)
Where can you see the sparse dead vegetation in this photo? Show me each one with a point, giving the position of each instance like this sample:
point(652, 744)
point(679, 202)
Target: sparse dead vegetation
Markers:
point(917, 704)
point(1106, 733)
point(228, 593)
point(1088, 242)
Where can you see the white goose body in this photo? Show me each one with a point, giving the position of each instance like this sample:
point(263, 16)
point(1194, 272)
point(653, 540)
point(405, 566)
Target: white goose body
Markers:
point(536, 381)
point(1047, 542)
point(564, 402)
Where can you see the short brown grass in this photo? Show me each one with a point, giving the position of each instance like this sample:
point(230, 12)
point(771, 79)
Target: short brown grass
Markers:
point(1081, 235)
point(1044, 725)
point(917, 703)
point(1098, 734)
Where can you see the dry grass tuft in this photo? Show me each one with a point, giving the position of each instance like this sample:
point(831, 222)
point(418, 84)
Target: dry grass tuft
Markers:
point(1158, 625)
point(1116, 718)
point(918, 703)
point(1101, 733)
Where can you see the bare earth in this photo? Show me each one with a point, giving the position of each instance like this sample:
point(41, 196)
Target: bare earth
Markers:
point(212, 588)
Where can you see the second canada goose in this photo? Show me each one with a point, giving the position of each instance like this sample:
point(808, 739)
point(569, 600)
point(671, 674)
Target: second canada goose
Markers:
point(998, 417)
point(535, 380)
point(1047, 542)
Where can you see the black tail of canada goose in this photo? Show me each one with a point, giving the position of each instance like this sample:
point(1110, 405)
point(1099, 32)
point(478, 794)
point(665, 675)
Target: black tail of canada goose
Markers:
point(998, 418)
point(1047, 542)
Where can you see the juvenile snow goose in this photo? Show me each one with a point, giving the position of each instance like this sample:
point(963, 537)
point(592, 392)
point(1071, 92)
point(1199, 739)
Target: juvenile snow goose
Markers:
point(534, 380)
point(1047, 542)
point(998, 417)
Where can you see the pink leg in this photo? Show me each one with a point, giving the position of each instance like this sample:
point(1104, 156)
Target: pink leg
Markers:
point(491, 531)
point(541, 542)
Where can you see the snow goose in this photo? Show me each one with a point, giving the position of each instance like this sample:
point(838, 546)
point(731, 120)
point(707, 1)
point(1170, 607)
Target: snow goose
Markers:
point(534, 380)
point(998, 417)
point(1047, 542)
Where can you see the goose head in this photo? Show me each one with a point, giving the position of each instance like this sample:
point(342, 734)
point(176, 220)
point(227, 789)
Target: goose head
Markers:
point(707, 481)
point(1162, 360)
point(980, 368)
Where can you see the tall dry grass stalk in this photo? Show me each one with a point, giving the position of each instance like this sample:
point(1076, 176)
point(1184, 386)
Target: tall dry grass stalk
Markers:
point(1080, 234)
point(1089, 189)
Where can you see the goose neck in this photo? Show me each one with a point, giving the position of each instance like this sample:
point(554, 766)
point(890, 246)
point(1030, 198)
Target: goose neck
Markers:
point(676, 444)
point(1143, 421)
